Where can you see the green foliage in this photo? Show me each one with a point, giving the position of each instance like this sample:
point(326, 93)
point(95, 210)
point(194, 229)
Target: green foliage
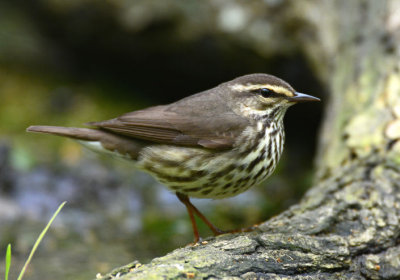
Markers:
point(35, 246)
point(8, 261)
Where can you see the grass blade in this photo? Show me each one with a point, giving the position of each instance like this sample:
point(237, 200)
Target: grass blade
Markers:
point(8, 261)
point(39, 240)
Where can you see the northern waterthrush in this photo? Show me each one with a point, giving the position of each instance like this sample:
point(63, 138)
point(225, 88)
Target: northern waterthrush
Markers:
point(213, 144)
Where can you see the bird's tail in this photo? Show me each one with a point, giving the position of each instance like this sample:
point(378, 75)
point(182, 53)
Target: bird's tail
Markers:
point(96, 139)
point(85, 134)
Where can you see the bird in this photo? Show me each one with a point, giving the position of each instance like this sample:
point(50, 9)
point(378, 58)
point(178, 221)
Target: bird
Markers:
point(214, 144)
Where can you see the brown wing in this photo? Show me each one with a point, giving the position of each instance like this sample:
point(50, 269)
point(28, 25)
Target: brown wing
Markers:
point(199, 120)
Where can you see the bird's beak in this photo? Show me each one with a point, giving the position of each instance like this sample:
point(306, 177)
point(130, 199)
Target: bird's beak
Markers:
point(301, 97)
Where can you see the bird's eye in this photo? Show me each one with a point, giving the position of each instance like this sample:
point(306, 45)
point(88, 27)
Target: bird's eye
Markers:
point(265, 92)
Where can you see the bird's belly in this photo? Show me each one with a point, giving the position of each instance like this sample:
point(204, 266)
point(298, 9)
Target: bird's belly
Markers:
point(208, 174)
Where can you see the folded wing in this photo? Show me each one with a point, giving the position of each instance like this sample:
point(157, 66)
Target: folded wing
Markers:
point(180, 124)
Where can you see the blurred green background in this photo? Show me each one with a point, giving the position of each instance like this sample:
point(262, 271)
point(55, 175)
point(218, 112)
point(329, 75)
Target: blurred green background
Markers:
point(70, 62)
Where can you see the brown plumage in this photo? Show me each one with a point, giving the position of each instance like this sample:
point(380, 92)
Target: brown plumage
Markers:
point(213, 144)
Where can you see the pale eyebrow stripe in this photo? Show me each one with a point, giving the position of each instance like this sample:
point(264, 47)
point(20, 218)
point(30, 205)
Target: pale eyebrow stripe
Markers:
point(277, 89)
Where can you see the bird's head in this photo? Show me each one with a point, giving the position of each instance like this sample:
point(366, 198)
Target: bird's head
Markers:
point(262, 95)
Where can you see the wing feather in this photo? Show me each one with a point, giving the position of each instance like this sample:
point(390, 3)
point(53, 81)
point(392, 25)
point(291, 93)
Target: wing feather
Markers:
point(193, 121)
